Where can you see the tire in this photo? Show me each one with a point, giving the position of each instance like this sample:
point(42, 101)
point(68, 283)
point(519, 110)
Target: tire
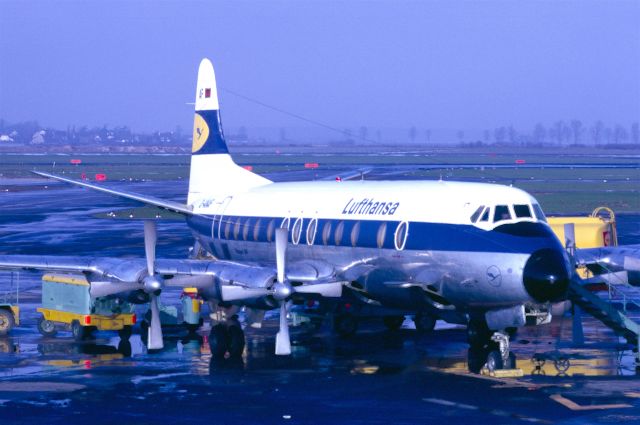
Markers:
point(46, 327)
point(345, 325)
point(393, 323)
point(6, 322)
point(218, 341)
point(494, 361)
point(235, 341)
point(425, 323)
point(78, 331)
point(478, 334)
point(125, 332)
point(476, 359)
point(511, 361)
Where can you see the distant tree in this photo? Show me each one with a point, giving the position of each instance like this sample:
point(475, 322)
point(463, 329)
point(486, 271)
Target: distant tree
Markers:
point(378, 136)
point(607, 134)
point(597, 132)
point(576, 128)
point(539, 134)
point(557, 131)
point(460, 135)
point(635, 133)
point(499, 135)
point(364, 133)
point(486, 135)
point(565, 133)
point(428, 135)
point(283, 134)
point(413, 132)
point(620, 134)
point(512, 134)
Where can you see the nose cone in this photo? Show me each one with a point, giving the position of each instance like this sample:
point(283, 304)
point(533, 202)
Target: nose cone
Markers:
point(546, 275)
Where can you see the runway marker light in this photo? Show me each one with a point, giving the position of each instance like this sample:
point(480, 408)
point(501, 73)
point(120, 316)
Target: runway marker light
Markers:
point(311, 165)
point(76, 161)
point(101, 177)
point(520, 161)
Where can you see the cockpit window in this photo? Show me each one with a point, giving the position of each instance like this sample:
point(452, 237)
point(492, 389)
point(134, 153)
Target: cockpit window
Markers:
point(476, 214)
point(485, 216)
point(522, 211)
point(501, 213)
point(538, 212)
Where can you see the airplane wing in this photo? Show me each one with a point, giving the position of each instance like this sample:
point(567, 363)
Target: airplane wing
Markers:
point(149, 200)
point(612, 260)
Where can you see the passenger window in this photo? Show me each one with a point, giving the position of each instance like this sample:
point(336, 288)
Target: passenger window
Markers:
point(227, 228)
point(256, 230)
point(522, 210)
point(355, 231)
point(501, 213)
point(382, 232)
point(401, 235)
point(236, 228)
point(538, 212)
point(311, 231)
point(338, 234)
point(297, 231)
point(326, 232)
point(476, 214)
point(285, 224)
point(485, 215)
point(245, 229)
point(270, 229)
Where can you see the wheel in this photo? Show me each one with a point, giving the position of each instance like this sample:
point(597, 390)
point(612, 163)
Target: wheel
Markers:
point(345, 325)
point(393, 323)
point(235, 341)
point(6, 322)
point(478, 334)
point(511, 361)
point(125, 332)
point(494, 361)
point(78, 331)
point(476, 359)
point(424, 322)
point(46, 327)
point(218, 341)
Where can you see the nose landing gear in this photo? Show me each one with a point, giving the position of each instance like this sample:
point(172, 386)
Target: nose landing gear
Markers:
point(487, 349)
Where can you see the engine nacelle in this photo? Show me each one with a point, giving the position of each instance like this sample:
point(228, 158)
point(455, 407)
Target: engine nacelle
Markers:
point(241, 284)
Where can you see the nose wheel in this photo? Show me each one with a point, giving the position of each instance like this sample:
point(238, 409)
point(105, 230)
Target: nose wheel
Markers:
point(488, 349)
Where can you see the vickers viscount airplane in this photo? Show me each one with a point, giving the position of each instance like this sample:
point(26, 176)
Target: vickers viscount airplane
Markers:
point(471, 253)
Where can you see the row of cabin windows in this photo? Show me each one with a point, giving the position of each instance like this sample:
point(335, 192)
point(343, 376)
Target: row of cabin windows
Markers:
point(331, 232)
point(503, 212)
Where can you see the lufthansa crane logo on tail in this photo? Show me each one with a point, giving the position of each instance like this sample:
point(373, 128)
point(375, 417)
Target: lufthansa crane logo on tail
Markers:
point(200, 133)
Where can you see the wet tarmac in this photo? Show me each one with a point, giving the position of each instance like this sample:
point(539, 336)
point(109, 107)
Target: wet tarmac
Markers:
point(375, 377)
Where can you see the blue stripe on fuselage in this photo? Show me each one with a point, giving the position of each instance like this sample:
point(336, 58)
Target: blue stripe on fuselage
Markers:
point(512, 238)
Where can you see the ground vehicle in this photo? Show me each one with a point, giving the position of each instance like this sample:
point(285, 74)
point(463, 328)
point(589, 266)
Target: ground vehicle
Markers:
point(68, 304)
point(9, 305)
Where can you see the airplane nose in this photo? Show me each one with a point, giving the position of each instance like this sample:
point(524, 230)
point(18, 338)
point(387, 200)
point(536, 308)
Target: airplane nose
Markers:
point(546, 275)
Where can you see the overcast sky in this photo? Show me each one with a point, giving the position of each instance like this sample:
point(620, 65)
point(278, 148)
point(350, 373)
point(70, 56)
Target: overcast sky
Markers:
point(439, 64)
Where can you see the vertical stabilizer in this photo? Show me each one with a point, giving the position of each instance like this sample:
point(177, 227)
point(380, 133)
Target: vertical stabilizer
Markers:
point(213, 172)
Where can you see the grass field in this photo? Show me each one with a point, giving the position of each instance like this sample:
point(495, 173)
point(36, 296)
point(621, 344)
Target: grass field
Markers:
point(559, 190)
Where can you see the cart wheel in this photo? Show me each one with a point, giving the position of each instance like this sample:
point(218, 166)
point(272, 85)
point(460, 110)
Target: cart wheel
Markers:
point(236, 341)
point(125, 332)
point(46, 327)
point(6, 322)
point(393, 323)
point(78, 331)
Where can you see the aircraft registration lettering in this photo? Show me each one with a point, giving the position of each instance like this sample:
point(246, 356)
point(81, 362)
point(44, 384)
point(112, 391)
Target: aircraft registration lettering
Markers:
point(371, 207)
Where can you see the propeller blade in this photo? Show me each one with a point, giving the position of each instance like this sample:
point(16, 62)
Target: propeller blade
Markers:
point(150, 238)
point(281, 252)
point(238, 292)
point(154, 340)
point(283, 342)
point(331, 289)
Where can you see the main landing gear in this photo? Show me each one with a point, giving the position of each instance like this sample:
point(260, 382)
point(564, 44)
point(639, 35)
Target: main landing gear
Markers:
point(226, 339)
point(488, 348)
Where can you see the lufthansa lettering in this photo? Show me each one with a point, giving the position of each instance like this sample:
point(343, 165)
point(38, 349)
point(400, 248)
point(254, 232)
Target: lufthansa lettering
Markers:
point(371, 207)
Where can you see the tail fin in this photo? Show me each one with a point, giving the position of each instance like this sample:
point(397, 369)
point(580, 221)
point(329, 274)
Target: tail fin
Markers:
point(213, 172)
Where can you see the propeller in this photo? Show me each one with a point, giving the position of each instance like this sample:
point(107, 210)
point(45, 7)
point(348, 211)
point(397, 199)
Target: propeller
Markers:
point(281, 291)
point(152, 286)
